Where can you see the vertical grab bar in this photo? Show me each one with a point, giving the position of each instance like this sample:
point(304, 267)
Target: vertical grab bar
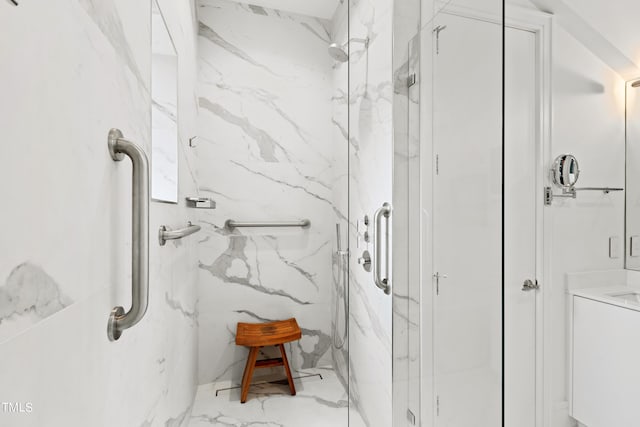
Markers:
point(119, 320)
point(384, 284)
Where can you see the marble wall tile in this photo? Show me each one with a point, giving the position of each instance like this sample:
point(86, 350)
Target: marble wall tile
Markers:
point(266, 153)
point(65, 259)
point(340, 197)
point(28, 296)
point(370, 164)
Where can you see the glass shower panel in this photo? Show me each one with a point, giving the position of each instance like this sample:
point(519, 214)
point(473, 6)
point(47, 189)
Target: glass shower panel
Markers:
point(406, 214)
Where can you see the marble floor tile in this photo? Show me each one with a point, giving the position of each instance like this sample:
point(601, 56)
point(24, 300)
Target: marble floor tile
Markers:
point(319, 402)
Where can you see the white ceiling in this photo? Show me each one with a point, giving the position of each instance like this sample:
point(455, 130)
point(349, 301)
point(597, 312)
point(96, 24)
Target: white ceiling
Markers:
point(317, 8)
point(608, 28)
point(616, 20)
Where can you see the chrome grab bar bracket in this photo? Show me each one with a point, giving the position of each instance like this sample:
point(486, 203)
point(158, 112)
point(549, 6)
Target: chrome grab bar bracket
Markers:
point(119, 320)
point(382, 283)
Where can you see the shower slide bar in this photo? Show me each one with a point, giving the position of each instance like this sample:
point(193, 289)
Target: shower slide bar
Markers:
point(165, 233)
point(118, 319)
point(231, 224)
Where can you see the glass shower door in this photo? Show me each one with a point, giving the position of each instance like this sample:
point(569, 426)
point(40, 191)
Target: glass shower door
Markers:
point(406, 214)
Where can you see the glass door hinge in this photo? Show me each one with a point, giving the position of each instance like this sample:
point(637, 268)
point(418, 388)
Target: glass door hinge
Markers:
point(412, 80)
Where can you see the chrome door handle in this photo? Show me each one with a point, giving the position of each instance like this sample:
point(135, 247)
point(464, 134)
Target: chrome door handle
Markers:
point(382, 283)
point(530, 285)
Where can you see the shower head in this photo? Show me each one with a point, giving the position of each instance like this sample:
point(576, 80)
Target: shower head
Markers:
point(337, 52)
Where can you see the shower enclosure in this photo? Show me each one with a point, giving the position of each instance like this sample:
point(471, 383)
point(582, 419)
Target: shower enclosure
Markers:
point(448, 214)
point(350, 158)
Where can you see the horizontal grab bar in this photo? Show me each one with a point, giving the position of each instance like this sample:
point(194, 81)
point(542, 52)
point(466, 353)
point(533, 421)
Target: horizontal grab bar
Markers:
point(165, 234)
point(231, 224)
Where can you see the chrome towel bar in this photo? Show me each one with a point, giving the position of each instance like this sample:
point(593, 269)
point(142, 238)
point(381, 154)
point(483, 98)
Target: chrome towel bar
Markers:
point(119, 320)
point(231, 224)
point(165, 233)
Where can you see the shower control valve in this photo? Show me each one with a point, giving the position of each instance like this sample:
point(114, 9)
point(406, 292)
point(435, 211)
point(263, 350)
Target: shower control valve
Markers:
point(365, 261)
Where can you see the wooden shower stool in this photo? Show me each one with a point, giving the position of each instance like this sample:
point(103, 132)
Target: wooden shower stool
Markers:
point(258, 335)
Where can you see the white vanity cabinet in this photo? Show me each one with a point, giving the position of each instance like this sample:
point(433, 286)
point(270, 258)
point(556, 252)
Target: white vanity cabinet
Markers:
point(605, 362)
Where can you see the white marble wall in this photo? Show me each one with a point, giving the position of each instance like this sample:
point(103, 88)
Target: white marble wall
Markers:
point(340, 194)
point(72, 70)
point(371, 160)
point(265, 153)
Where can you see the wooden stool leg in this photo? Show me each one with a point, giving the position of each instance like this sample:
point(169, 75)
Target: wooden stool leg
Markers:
point(248, 373)
point(285, 361)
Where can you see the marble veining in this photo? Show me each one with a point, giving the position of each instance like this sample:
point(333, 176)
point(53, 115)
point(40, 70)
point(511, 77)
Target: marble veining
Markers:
point(29, 290)
point(242, 273)
point(320, 402)
point(179, 420)
point(177, 306)
point(370, 185)
point(209, 34)
point(265, 88)
point(266, 143)
point(340, 197)
point(106, 17)
point(168, 110)
point(66, 260)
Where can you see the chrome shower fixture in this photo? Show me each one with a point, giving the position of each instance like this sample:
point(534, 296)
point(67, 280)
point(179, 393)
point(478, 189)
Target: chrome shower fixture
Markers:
point(338, 52)
point(342, 283)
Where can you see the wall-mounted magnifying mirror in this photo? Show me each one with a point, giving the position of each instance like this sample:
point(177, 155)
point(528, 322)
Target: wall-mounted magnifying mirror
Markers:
point(565, 171)
point(164, 110)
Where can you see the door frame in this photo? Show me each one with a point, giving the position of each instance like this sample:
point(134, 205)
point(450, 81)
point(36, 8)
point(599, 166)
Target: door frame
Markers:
point(542, 26)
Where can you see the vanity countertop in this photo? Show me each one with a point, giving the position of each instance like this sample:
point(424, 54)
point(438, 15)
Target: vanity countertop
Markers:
point(619, 295)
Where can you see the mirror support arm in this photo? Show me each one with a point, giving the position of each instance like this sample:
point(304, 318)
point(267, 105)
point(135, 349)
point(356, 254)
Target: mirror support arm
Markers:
point(549, 196)
point(572, 193)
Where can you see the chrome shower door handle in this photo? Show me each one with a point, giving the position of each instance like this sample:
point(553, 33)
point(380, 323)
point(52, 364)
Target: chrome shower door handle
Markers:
point(382, 283)
point(119, 320)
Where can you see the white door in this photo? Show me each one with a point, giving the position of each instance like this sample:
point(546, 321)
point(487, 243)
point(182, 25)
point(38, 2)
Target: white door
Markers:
point(468, 334)
point(521, 153)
